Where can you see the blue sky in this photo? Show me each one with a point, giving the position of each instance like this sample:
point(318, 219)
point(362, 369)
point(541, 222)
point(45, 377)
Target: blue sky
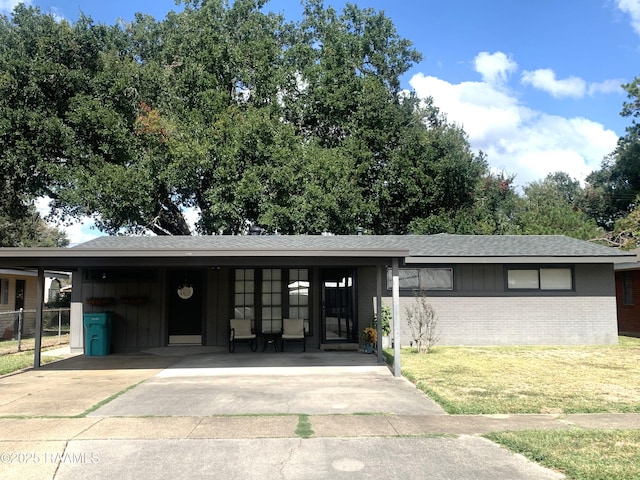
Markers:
point(535, 84)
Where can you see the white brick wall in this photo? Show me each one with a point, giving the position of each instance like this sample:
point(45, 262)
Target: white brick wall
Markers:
point(532, 320)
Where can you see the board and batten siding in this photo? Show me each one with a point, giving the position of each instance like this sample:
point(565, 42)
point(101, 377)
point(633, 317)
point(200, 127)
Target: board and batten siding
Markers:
point(135, 327)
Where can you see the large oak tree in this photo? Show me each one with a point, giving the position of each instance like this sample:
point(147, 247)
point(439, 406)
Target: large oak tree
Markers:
point(235, 113)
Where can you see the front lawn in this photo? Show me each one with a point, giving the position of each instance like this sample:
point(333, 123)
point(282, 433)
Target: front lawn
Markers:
point(579, 454)
point(559, 379)
point(19, 361)
point(473, 380)
point(11, 346)
point(12, 360)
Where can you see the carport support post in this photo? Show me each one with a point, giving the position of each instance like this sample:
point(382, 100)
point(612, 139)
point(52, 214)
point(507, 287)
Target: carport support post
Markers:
point(39, 302)
point(379, 310)
point(396, 317)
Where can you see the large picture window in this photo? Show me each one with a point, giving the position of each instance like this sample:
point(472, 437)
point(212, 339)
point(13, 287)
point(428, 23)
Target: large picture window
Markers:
point(422, 278)
point(539, 279)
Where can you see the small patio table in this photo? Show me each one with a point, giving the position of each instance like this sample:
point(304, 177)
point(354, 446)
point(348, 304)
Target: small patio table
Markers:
point(271, 338)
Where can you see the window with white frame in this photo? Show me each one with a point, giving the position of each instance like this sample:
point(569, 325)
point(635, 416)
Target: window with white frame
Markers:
point(540, 279)
point(440, 278)
point(4, 291)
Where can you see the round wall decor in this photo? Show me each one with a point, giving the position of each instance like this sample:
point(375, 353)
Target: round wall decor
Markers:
point(185, 291)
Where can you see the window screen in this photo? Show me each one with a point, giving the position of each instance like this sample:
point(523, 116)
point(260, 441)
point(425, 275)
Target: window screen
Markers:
point(422, 278)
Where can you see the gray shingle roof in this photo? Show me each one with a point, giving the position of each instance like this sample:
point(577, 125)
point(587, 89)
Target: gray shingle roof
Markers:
point(441, 245)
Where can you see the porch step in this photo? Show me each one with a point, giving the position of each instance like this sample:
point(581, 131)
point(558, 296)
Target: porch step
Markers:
point(351, 347)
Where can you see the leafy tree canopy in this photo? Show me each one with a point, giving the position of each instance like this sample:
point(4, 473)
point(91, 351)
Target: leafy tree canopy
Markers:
point(240, 115)
point(614, 187)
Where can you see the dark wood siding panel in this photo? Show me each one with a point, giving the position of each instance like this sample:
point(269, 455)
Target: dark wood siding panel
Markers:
point(479, 278)
point(134, 326)
point(366, 282)
point(218, 309)
point(594, 279)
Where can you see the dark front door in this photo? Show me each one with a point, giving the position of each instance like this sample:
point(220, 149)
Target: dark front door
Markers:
point(186, 297)
point(339, 320)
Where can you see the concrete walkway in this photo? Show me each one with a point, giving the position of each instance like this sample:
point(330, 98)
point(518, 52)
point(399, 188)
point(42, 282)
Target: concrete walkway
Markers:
point(216, 415)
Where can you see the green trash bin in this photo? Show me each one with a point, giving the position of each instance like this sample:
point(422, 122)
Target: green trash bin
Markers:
point(97, 334)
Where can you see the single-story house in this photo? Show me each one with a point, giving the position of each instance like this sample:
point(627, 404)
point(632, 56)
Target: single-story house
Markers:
point(628, 295)
point(486, 290)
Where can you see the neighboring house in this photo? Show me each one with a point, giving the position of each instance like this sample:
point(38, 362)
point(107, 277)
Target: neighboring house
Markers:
point(486, 290)
point(18, 290)
point(628, 295)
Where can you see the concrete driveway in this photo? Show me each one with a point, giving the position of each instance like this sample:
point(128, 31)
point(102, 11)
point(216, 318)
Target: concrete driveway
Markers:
point(201, 413)
point(318, 383)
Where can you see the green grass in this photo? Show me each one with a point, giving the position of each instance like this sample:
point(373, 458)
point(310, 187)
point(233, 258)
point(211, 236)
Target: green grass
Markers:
point(19, 361)
point(12, 360)
point(11, 346)
point(303, 429)
point(108, 400)
point(579, 454)
point(559, 379)
point(511, 380)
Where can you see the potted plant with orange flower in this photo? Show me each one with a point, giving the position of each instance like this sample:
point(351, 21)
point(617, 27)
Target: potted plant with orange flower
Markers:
point(369, 338)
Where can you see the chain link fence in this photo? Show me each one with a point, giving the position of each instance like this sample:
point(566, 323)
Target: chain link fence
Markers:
point(21, 324)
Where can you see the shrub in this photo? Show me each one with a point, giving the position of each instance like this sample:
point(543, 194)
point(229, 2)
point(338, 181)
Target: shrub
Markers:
point(386, 321)
point(423, 323)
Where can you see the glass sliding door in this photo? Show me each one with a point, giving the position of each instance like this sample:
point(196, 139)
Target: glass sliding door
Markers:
point(339, 320)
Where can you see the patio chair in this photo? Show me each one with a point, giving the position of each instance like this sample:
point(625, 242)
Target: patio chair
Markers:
point(293, 330)
point(240, 331)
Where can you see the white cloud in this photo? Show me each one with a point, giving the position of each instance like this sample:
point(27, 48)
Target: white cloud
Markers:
point(7, 6)
point(545, 79)
point(607, 86)
point(632, 8)
point(517, 139)
point(78, 231)
point(495, 68)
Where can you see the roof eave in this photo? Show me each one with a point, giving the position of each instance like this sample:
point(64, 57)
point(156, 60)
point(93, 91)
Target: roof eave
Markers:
point(522, 259)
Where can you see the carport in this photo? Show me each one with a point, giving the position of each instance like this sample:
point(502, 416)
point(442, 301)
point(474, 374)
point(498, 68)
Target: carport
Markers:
point(132, 270)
